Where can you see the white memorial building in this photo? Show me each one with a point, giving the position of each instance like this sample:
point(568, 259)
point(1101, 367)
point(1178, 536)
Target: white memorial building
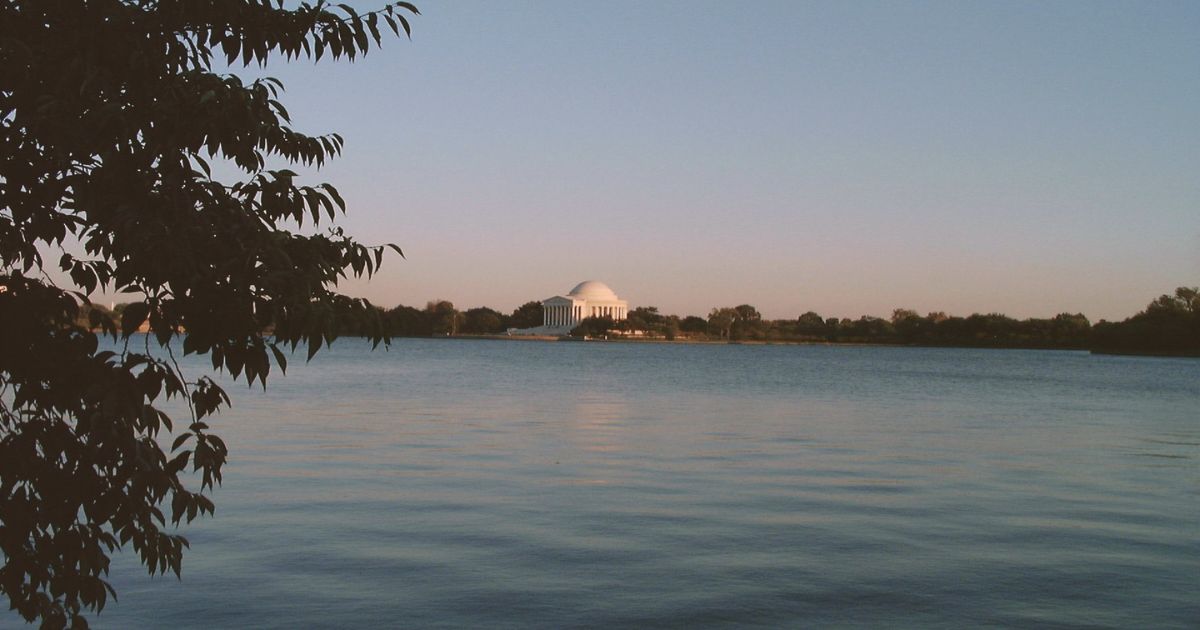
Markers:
point(588, 299)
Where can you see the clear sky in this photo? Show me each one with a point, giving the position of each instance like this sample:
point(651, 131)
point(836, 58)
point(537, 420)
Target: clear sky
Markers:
point(850, 158)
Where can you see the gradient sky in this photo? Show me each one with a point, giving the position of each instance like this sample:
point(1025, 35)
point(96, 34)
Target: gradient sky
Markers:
point(1028, 158)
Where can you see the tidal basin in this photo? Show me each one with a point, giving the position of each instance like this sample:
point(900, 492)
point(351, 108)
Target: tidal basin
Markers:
point(472, 483)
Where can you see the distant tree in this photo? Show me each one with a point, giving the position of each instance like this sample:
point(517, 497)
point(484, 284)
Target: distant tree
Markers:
point(720, 321)
point(85, 316)
point(1071, 330)
point(483, 321)
point(110, 111)
point(527, 315)
point(747, 323)
point(593, 327)
point(866, 329)
point(670, 327)
point(747, 313)
point(910, 326)
point(406, 321)
point(443, 317)
point(812, 321)
point(952, 331)
point(1169, 325)
point(693, 324)
point(992, 329)
point(1185, 302)
point(649, 320)
point(648, 314)
point(633, 321)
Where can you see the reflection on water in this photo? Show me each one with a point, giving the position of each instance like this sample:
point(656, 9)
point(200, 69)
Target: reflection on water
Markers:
point(465, 484)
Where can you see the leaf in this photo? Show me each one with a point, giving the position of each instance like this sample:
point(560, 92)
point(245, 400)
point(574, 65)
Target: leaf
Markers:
point(373, 25)
point(279, 358)
point(133, 317)
point(314, 345)
point(337, 198)
point(229, 46)
point(203, 165)
point(179, 441)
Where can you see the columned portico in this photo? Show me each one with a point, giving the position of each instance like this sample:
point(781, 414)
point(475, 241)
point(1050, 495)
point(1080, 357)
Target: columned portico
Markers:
point(587, 299)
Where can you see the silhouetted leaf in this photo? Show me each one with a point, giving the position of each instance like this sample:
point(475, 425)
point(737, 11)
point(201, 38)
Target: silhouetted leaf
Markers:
point(134, 316)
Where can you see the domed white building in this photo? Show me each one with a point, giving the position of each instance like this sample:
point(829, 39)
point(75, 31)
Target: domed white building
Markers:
point(590, 298)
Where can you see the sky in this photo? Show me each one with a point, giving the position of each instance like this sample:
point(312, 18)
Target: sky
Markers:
point(849, 158)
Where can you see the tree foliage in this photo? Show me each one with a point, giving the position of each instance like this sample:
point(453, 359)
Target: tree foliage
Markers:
point(720, 321)
point(443, 317)
point(593, 327)
point(527, 315)
point(483, 321)
point(110, 113)
point(1169, 325)
point(693, 324)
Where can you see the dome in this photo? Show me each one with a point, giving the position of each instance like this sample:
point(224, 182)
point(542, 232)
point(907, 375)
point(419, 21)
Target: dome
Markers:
point(593, 290)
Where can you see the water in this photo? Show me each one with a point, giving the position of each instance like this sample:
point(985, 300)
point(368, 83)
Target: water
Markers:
point(460, 483)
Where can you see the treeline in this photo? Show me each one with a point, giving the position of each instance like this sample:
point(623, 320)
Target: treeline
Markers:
point(1169, 325)
point(441, 318)
point(905, 327)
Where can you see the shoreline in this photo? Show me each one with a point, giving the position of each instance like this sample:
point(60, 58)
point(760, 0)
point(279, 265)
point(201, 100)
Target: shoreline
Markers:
point(1158, 354)
point(786, 342)
point(782, 342)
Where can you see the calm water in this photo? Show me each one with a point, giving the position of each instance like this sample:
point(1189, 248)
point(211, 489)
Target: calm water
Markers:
point(506, 484)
